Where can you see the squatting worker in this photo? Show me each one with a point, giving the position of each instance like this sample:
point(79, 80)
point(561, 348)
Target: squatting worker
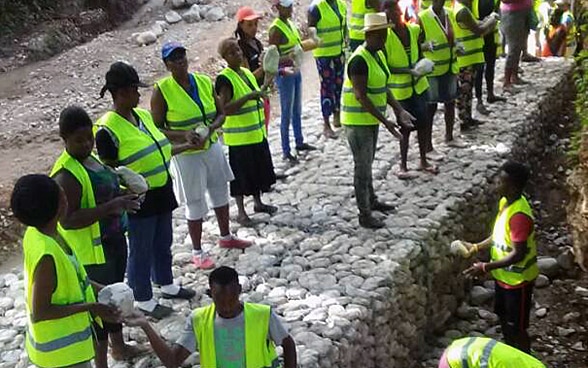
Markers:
point(244, 132)
point(60, 300)
point(95, 220)
point(485, 352)
point(284, 35)
point(181, 104)
point(329, 17)
point(359, 8)
point(438, 27)
point(366, 95)
point(127, 136)
point(513, 256)
point(408, 86)
point(252, 48)
point(226, 333)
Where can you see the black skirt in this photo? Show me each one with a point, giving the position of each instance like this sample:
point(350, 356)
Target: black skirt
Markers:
point(253, 169)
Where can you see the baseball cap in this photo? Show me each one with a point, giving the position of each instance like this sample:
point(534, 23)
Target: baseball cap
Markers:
point(170, 47)
point(247, 13)
point(120, 75)
point(284, 3)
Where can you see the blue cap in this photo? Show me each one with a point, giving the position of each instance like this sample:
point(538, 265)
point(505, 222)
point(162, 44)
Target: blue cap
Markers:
point(170, 47)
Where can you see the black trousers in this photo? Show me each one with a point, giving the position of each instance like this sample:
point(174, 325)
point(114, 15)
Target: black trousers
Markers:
point(486, 70)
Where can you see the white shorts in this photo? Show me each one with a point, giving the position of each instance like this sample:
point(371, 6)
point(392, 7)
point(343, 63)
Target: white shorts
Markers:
point(198, 173)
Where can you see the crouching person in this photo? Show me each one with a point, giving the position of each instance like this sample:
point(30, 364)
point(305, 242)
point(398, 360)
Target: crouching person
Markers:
point(227, 333)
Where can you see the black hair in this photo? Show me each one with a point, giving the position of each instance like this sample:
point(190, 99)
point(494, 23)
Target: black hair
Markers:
point(223, 276)
point(222, 46)
point(239, 33)
point(518, 173)
point(35, 199)
point(71, 119)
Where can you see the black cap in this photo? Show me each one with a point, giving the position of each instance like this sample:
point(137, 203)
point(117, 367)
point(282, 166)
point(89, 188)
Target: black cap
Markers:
point(121, 75)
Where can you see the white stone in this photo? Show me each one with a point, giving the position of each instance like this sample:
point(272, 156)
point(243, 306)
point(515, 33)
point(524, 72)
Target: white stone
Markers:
point(541, 312)
point(172, 17)
point(215, 14)
point(480, 295)
point(542, 281)
point(176, 4)
point(6, 303)
point(146, 38)
point(7, 335)
point(583, 292)
point(192, 15)
point(548, 266)
point(119, 295)
point(564, 332)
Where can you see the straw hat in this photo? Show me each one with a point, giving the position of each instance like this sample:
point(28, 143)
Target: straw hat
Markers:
point(375, 21)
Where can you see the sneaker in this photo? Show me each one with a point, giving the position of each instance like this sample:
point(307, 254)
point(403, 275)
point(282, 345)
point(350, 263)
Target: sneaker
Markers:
point(305, 147)
point(370, 222)
point(234, 243)
point(203, 261)
point(159, 312)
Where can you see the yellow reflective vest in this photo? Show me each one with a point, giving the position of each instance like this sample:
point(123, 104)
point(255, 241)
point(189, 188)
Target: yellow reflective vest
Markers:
point(246, 126)
point(290, 31)
point(358, 12)
point(496, 32)
point(525, 270)
point(378, 84)
point(483, 352)
point(443, 55)
point(144, 150)
point(183, 113)
point(260, 351)
point(64, 341)
point(403, 84)
point(331, 28)
point(86, 242)
point(472, 43)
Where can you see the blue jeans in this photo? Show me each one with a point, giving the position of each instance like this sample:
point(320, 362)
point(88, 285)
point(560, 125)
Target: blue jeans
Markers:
point(290, 88)
point(150, 257)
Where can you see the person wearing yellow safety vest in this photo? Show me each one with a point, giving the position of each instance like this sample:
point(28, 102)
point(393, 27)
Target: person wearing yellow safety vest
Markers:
point(284, 35)
point(359, 8)
point(186, 109)
point(366, 95)
point(470, 57)
point(482, 9)
point(127, 136)
point(329, 17)
point(438, 44)
point(226, 333)
point(60, 299)
point(569, 22)
point(426, 4)
point(483, 352)
point(513, 256)
point(241, 99)
point(409, 87)
point(95, 220)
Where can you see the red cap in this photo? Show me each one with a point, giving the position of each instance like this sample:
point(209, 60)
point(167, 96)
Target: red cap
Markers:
point(247, 13)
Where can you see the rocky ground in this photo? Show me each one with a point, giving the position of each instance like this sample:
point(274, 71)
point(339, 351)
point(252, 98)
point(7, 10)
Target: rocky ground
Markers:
point(323, 274)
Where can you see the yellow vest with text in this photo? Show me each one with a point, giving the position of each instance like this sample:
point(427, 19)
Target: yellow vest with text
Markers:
point(182, 112)
point(525, 270)
point(246, 126)
point(426, 4)
point(86, 242)
point(472, 43)
point(483, 352)
point(356, 21)
point(290, 31)
point(331, 28)
point(260, 351)
point(403, 84)
point(378, 83)
point(443, 54)
point(496, 32)
point(147, 154)
point(64, 341)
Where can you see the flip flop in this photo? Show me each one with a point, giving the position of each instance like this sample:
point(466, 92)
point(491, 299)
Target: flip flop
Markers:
point(431, 169)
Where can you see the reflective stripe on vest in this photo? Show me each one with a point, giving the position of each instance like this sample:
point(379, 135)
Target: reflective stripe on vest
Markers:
point(260, 351)
point(352, 113)
point(289, 31)
point(525, 270)
point(246, 126)
point(183, 113)
point(87, 241)
point(403, 84)
point(483, 352)
point(138, 150)
point(358, 12)
point(63, 341)
point(472, 43)
point(443, 55)
point(331, 29)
